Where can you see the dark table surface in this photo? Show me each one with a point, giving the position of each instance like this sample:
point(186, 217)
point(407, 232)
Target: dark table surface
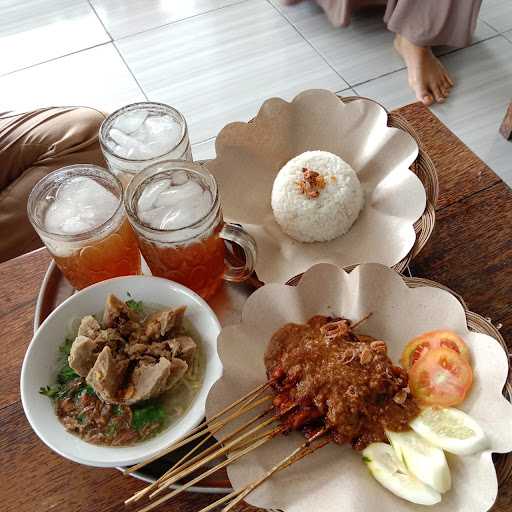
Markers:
point(470, 251)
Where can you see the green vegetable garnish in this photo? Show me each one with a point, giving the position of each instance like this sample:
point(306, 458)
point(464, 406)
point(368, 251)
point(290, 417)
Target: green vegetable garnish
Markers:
point(65, 348)
point(86, 389)
point(66, 374)
point(65, 377)
point(146, 413)
point(135, 305)
point(81, 418)
point(117, 410)
point(111, 429)
point(366, 459)
point(49, 391)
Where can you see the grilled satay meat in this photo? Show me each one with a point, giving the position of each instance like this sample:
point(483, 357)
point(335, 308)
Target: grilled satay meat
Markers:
point(337, 379)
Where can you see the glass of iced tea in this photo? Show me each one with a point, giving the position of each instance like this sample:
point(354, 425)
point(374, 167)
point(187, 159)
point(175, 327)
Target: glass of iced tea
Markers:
point(138, 135)
point(79, 214)
point(175, 210)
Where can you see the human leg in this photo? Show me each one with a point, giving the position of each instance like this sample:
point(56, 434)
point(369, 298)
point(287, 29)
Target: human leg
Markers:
point(419, 25)
point(427, 76)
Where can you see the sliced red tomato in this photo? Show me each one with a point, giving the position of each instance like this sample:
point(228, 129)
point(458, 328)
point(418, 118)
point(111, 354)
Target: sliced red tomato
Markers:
point(440, 377)
point(420, 345)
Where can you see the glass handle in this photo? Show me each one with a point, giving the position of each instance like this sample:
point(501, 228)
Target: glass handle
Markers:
point(238, 235)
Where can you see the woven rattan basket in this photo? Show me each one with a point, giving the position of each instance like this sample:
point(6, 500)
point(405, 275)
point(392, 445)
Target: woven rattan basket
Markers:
point(424, 168)
point(476, 323)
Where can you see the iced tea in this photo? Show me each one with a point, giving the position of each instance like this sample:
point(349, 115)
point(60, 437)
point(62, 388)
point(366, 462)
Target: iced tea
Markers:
point(140, 134)
point(175, 211)
point(79, 214)
point(198, 265)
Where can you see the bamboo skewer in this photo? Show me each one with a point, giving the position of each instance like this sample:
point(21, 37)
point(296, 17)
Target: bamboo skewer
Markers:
point(140, 494)
point(182, 463)
point(216, 427)
point(222, 500)
point(164, 483)
point(224, 449)
point(193, 434)
point(256, 444)
point(212, 431)
point(287, 461)
point(296, 455)
point(359, 322)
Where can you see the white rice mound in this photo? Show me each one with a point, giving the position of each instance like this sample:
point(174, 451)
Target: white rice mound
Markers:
point(322, 218)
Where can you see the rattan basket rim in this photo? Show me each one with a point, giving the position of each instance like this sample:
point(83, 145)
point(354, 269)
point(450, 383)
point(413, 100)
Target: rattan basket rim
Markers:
point(425, 169)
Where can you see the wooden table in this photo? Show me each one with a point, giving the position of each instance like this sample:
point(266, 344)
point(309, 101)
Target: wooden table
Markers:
point(470, 251)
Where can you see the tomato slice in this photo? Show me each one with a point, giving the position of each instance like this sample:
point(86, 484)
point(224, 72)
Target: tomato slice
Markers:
point(440, 377)
point(420, 345)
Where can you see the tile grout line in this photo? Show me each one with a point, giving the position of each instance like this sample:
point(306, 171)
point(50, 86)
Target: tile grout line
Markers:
point(117, 50)
point(53, 59)
point(353, 85)
point(130, 70)
point(493, 27)
point(308, 42)
point(235, 2)
point(450, 52)
point(112, 40)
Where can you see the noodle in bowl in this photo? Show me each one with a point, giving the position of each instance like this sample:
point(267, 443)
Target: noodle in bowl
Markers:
point(185, 402)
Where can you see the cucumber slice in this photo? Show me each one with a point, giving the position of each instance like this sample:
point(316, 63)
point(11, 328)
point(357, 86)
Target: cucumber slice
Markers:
point(391, 473)
point(450, 429)
point(424, 460)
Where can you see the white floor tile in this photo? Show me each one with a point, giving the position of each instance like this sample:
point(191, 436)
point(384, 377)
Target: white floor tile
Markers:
point(363, 50)
point(125, 17)
point(359, 52)
point(508, 35)
point(96, 77)
point(483, 76)
point(497, 13)
point(483, 31)
point(391, 90)
point(34, 31)
point(204, 150)
point(219, 67)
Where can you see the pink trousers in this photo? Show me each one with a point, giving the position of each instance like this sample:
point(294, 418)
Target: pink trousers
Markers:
point(423, 22)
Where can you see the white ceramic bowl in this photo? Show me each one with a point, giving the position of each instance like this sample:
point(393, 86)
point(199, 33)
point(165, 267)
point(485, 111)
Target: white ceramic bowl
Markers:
point(40, 367)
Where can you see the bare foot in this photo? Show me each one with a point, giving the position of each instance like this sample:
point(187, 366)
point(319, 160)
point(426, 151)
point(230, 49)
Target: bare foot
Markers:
point(428, 78)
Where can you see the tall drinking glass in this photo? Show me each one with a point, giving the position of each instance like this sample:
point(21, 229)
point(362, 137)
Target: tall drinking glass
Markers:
point(175, 210)
point(79, 214)
point(138, 135)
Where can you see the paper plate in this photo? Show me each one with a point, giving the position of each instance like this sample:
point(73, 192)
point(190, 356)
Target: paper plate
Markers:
point(335, 477)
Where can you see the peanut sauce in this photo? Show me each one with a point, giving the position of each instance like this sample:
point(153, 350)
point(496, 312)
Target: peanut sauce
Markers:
point(338, 379)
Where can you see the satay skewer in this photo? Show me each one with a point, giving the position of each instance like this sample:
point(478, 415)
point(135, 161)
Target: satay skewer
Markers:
point(187, 464)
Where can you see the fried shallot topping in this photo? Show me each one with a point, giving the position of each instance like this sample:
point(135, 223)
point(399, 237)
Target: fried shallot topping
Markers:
point(311, 183)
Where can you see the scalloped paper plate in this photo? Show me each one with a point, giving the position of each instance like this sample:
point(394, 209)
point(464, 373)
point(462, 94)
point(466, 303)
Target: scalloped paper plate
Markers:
point(249, 155)
point(334, 478)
